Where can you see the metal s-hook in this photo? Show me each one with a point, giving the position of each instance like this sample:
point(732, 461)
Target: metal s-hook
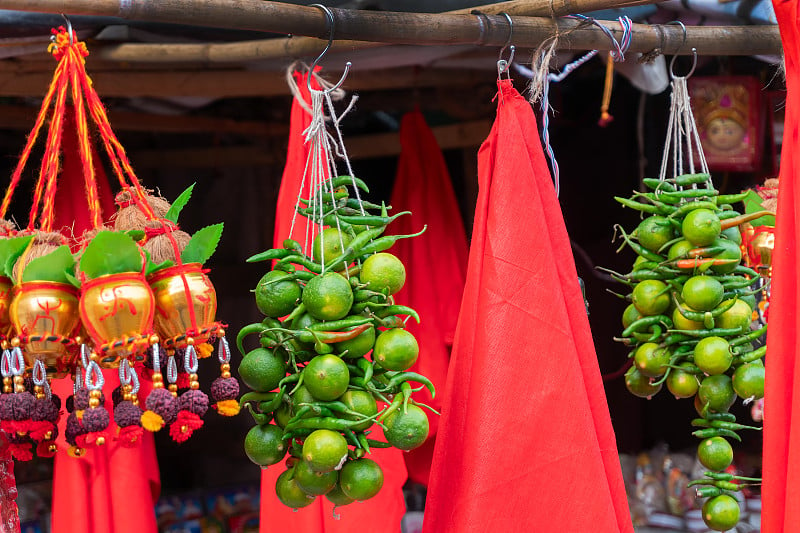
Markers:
point(331, 27)
point(70, 31)
point(504, 65)
point(674, 57)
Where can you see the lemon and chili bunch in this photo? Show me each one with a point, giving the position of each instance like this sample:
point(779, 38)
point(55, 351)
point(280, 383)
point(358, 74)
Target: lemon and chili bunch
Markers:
point(334, 355)
point(689, 320)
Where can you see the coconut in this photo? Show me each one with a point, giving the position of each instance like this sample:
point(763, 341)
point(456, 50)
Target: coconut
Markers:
point(165, 241)
point(44, 242)
point(130, 216)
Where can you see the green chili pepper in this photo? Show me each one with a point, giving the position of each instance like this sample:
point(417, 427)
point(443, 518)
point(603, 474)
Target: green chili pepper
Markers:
point(732, 198)
point(301, 260)
point(273, 253)
point(749, 357)
point(259, 418)
point(708, 492)
point(750, 337)
point(346, 181)
point(730, 417)
point(646, 322)
point(397, 379)
point(691, 179)
point(701, 333)
point(372, 220)
point(338, 325)
point(257, 327)
point(733, 426)
point(688, 207)
point(716, 432)
point(638, 206)
point(353, 249)
point(398, 310)
point(332, 423)
point(386, 242)
point(741, 269)
point(658, 185)
point(689, 193)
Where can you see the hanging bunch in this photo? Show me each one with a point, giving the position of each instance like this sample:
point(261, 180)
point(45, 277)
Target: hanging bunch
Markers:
point(690, 319)
point(136, 291)
point(334, 354)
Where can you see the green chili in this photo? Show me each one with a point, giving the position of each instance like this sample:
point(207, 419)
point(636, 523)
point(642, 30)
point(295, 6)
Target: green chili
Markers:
point(346, 181)
point(691, 179)
point(386, 242)
point(716, 432)
point(749, 357)
point(273, 253)
point(750, 337)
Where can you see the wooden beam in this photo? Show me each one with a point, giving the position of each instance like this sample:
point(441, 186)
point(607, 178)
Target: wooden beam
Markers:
point(233, 83)
point(302, 47)
point(464, 135)
point(22, 118)
point(419, 28)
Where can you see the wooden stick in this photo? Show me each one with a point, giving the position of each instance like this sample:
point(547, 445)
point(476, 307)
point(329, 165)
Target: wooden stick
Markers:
point(467, 134)
point(21, 118)
point(418, 28)
point(234, 83)
point(300, 47)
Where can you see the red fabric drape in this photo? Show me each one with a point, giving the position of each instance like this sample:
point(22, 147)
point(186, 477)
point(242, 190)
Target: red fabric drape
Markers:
point(525, 442)
point(381, 514)
point(112, 489)
point(781, 464)
point(436, 263)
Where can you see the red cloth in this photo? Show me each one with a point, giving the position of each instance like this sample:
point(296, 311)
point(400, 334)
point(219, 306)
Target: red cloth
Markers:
point(436, 264)
point(781, 463)
point(112, 489)
point(525, 442)
point(9, 515)
point(381, 514)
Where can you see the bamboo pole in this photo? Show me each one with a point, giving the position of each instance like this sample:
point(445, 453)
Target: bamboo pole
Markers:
point(300, 47)
point(21, 118)
point(232, 83)
point(418, 28)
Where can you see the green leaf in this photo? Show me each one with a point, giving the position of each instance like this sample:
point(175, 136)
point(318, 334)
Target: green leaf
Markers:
point(73, 280)
point(11, 250)
point(202, 245)
point(135, 234)
point(178, 205)
point(110, 252)
point(152, 267)
point(752, 204)
point(51, 267)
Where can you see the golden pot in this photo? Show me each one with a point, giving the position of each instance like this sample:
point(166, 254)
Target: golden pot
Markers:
point(5, 302)
point(185, 301)
point(116, 309)
point(46, 309)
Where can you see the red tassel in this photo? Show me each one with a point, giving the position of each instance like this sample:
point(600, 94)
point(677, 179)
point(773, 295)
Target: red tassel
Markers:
point(93, 438)
point(130, 436)
point(16, 426)
point(184, 426)
point(39, 431)
point(46, 449)
point(21, 451)
point(183, 380)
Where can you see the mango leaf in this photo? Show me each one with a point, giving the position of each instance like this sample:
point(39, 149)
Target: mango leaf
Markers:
point(135, 234)
point(177, 206)
point(73, 280)
point(202, 245)
point(152, 267)
point(11, 250)
point(51, 267)
point(752, 204)
point(110, 252)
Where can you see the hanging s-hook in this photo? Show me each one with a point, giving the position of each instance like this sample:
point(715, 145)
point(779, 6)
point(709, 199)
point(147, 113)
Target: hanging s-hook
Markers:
point(331, 27)
point(694, 53)
point(70, 32)
point(503, 65)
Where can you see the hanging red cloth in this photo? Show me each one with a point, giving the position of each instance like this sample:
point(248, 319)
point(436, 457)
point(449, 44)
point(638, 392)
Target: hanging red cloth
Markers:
point(781, 464)
point(9, 514)
point(436, 263)
point(112, 489)
point(525, 442)
point(383, 513)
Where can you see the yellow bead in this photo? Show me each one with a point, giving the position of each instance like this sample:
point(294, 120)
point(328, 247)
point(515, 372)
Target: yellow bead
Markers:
point(94, 402)
point(226, 375)
point(154, 339)
point(100, 441)
point(15, 342)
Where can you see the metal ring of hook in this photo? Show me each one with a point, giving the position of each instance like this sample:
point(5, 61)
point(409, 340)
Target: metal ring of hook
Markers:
point(70, 31)
point(483, 23)
point(504, 65)
point(674, 57)
point(331, 20)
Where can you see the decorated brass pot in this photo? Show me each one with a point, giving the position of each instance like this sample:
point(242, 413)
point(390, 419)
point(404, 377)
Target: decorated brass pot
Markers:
point(45, 315)
point(186, 302)
point(5, 303)
point(117, 313)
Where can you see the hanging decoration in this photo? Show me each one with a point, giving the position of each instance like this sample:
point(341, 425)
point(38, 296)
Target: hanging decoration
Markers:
point(129, 297)
point(333, 343)
point(690, 321)
point(729, 121)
